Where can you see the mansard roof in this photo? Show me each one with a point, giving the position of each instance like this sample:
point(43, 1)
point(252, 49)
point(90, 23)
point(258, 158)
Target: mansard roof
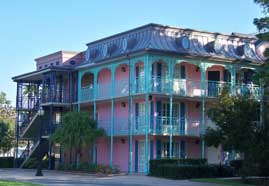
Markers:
point(187, 42)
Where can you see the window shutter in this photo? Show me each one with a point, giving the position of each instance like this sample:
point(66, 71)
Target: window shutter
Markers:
point(183, 71)
point(136, 115)
point(159, 149)
point(151, 149)
point(182, 149)
point(182, 117)
point(136, 156)
point(158, 121)
point(151, 115)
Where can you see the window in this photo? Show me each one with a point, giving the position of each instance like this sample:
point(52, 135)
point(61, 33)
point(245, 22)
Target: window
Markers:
point(46, 66)
point(57, 117)
point(40, 67)
point(72, 62)
point(51, 64)
point(57, 63)
point(166, 149)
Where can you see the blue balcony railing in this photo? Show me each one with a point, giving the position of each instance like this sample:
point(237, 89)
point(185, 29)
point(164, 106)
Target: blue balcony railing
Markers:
point(56, 96)
point(162, 85)
point(159, 125)
point(87, 93)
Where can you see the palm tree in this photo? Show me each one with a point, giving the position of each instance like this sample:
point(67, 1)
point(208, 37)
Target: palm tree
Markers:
point(76, 132)
point(29, 91)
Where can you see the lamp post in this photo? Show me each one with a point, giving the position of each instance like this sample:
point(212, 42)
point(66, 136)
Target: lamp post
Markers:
point(41, 113)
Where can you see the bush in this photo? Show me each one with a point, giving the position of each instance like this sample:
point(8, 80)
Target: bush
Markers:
point(193, 171)
point(237, 165)
point(188, 168)
point(6, 162)
point(153, 164)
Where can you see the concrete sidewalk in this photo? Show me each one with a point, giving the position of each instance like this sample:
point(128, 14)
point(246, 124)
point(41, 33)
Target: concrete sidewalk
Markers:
point(58, 178)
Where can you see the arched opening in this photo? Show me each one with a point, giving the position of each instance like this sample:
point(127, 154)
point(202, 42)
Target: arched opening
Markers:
point(245, 83)
point(139, 80)
point(122, 80)
point(179, 79)
point(104, 83)
point(160, 77)
point(87, 89)
point(218, 79)
point(188, 79)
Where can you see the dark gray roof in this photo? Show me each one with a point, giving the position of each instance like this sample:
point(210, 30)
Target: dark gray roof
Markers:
point(177, 40)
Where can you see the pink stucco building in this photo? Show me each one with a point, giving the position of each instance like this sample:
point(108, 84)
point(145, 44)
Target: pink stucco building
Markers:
point(148, 87)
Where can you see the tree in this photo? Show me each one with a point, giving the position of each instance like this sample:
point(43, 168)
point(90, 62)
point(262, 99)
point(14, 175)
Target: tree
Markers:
point(76, 132)
point(6, 139)
point(3, 99)
point(238, 128)
point(7, 123)
point(236, 122)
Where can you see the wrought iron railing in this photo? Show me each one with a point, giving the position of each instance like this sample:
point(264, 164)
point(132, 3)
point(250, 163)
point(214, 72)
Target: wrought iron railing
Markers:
point(56, 96)
point(26, 102)
point(159, 125)
point(162, 85)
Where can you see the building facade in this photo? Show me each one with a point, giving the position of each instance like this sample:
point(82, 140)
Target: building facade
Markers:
point(149, 88)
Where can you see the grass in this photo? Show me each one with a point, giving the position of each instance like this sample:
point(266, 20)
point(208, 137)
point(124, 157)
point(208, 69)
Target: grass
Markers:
point(222, 182)
point(16, 183)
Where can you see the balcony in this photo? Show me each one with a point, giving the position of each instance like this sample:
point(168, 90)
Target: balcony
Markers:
point(161, 85)
point(87, 93)
point(56, 96)
point(26, 102)
point(159, 125)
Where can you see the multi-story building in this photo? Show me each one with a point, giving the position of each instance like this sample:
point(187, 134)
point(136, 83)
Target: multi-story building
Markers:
point(149, 88)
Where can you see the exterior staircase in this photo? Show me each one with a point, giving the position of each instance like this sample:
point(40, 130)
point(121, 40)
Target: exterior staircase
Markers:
point(34, 151)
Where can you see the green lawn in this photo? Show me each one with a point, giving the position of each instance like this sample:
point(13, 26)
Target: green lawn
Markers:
point(16, 183)
point(222, 182)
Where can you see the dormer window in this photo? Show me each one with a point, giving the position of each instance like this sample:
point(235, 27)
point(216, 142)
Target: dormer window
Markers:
point(72, 62)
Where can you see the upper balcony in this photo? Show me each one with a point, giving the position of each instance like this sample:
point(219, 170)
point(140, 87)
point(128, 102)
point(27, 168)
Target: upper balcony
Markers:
point(180, 79)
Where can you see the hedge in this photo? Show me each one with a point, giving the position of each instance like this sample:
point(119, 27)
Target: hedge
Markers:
point(188, 168)
point(153, 164)
point(6, 162)
point(193, 171)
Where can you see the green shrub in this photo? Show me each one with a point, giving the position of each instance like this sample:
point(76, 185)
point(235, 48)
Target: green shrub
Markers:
point(186, 169)
point(237, 165)
point(153, 164)
point(6, 162)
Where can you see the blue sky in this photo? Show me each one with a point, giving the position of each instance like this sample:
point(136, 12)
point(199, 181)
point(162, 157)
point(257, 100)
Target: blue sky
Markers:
point(31, 28)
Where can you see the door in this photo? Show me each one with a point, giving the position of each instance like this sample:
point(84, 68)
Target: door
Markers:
point(141, 156)
point(213, 83)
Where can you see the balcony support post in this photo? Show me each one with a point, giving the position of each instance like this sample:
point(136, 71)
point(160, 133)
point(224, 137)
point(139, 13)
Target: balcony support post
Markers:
point(147, 65)
point(95, 76)
point(79, 89)
point(203, 93)
point(171, 75)
point(261, 94)
point(112, 113)
point(233, 80)
point(131, 79)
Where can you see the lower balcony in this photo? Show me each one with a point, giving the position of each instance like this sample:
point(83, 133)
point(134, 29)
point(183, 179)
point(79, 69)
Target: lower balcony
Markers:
point(159, 125)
